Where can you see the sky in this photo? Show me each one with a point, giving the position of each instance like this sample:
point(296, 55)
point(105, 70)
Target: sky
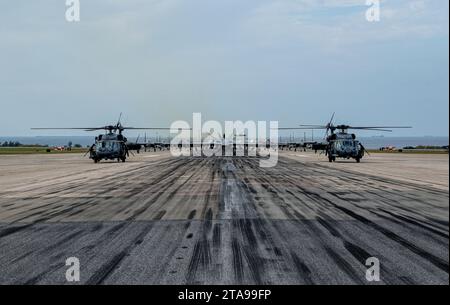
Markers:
point(157, 61)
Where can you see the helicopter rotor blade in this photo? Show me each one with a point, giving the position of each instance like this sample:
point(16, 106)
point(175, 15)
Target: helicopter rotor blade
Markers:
point(373, 129)
point(74, 128)
point(332, 118)
point(100, 128)
point(105, 128)
point(302, 127)
point(329, 125)
point(153, 128)
point(314, 126)
point(295, 128)
point(379, 127)
point(67, 128)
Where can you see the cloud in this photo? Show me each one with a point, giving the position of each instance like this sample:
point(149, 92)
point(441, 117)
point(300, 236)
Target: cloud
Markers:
point(160, 60)
point(333, 24)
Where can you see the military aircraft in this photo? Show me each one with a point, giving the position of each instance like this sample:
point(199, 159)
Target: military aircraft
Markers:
point(112, 145)
point(339, 143)
point(139, 145)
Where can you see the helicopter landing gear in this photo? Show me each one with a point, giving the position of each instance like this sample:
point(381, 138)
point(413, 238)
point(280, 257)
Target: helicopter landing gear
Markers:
point(331, 158)
point(123, 159)
point(96, 160)
point(358, 160)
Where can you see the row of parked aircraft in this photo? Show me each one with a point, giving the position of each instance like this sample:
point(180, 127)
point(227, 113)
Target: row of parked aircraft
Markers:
point(338, 142)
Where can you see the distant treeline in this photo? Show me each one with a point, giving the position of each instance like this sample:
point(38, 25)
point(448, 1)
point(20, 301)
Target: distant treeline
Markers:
point(18, 144)
point(426, 147)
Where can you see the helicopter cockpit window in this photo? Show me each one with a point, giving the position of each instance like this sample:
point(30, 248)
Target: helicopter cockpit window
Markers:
point(111, 145)
point(107, 145)
point(340, 144)
point(349, 143)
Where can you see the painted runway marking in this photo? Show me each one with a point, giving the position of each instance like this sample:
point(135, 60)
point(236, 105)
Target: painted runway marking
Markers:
point(302, 156)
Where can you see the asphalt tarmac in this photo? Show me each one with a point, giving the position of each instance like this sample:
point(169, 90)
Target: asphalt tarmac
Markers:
point(158, 219)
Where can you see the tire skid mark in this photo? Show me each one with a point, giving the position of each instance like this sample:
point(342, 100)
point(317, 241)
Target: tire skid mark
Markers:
point(259, 247)
point(355, 250)
point(416, 223)
point(438, 262)
point(303, 272)
point(192, 214)
point(251, 235)
point(200, 259)
point(238, 265)
point(58, 200)
point(168, 183)
point(344, 265)
point(107, 269)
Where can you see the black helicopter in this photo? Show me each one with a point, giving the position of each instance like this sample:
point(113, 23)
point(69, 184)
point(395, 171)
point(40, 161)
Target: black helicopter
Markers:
point(112, 145)
point(341, 144)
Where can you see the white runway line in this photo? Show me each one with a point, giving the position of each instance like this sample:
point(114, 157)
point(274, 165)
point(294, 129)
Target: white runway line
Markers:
point(151, 156)
point(302, 156)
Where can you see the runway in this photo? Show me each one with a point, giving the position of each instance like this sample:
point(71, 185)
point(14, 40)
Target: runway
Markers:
point(158, 219)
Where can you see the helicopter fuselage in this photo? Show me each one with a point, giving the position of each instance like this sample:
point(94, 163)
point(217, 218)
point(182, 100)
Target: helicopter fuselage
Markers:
point(341, 144)
point(344, 145)
point(110, 146)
